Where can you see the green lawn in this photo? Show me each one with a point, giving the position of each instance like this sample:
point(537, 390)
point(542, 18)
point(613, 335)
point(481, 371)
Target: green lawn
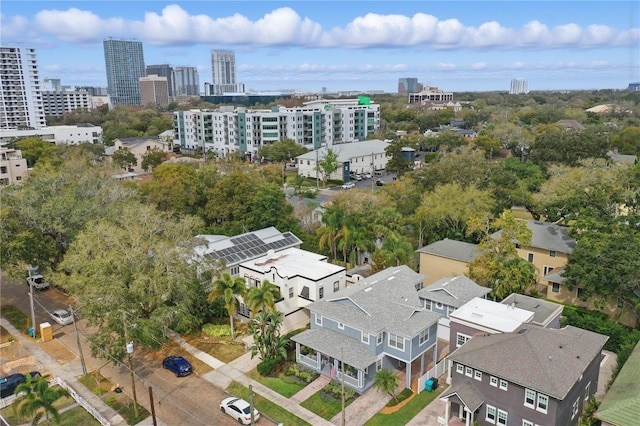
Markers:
point(325, 408)
point(15, 316)
point(277, 384)
point(406, 413)
point(267, 407)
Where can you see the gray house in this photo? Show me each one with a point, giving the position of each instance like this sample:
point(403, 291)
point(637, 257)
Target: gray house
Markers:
point(378, 322)
point(448, 294)
point(531, 376)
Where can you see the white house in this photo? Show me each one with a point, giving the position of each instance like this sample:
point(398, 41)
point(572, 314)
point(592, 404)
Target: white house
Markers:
point(354, 157)
point(302, 277)
point(59, 135)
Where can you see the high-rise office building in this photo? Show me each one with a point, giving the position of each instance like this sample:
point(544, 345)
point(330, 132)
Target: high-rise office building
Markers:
point(124, 61)
point(519, 86)
point(223, 70)
point(20, 93)
point(186, 81)
point(154, 90)
point(163, 70)
point(408, 85)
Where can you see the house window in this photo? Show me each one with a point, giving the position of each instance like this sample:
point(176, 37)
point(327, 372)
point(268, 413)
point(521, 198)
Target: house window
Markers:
point(462, 339)
point(365, 338)
point(555, 287)
point(468, 371)
point(526, 423)
point(235, 270)
point(543, 403)
point(341, 326)
point(546, 270)
point(518, 246)
point(424, 335)
point(379, 364)
point(502, 417)
point(491, 414)
point(460, 368)
point(574, 409)
point(318, 319)
point(477, 375)
point(290, 292)
point(493, 381)
point(419, 286)
point(580, 292)
point(552, 253)
point(396, 341)
point(380, 335)
point(530, 257)
point(503, 384)
point(336, 286)
point(529, 398)
point(586, 391)
point(320, 292)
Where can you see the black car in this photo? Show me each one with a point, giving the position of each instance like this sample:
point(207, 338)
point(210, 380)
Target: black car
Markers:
point(9, 383)
point(379, 182)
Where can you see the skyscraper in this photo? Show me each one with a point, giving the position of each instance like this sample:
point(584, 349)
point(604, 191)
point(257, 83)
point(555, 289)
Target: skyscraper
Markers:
point(519, 86)
point(124, 61)
point(223, 70)
point(186, 81)
point(20, 94)
point(163, 70)
point(154, 90)
point(408, 85)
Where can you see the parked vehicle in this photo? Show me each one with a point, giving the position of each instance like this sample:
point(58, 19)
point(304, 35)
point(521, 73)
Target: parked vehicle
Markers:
point(178, 365)
point(380, 182)
point(348, 185)
point(239, 409)
point(358, 177)
point(367, 175)
point(62, 316)
point(36, 280)
point(9, 383)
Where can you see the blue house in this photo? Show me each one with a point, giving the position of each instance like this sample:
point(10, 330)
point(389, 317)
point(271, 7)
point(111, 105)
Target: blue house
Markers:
point(378, 322)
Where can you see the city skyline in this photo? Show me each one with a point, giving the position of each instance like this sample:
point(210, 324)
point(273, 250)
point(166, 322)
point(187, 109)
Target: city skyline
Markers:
point(358, 45)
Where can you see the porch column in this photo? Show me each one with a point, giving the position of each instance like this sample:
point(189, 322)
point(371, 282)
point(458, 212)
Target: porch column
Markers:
point(468, 421)
point(407, 379)
point(435, 355)
point(449, 371)
point(447, 411)
point(421, 365)
point(297, 351)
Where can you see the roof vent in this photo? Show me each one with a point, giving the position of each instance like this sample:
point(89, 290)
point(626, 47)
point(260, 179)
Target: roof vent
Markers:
point(560, 346)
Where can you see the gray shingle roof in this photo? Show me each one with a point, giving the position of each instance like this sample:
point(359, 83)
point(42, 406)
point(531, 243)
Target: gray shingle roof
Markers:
point(386, 301)
point(468, 394)
point(452, 249)
point(337, 345)
point(453, 291)
point(556, 276)
point(543, 310)
point(549, 236)
point(546, 360)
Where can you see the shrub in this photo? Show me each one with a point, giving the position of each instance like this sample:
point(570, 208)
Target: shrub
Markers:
point(99, 391)
point(110, 401)
point(334, 390)
point(266, 367)
point(215, 330)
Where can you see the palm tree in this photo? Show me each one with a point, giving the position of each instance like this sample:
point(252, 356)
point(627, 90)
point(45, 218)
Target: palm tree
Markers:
point(36, 398)
point(230, 289)
point(386, 381)
point(268, 343)
point(263, 298)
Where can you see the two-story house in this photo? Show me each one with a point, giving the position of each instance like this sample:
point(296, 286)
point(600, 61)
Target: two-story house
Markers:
point(530, 376)
point(445, 258)
point(139, 147)
point(377, 322)
point(302, 277)
point(448, 294)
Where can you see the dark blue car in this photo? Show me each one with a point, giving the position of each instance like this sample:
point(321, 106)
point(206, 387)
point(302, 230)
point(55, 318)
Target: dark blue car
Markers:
point(9, 383)
point(178, 365)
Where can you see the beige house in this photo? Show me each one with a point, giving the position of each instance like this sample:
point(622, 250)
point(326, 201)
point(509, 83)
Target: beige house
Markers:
point(13, 168)
point(445, 258)
point(139, 146)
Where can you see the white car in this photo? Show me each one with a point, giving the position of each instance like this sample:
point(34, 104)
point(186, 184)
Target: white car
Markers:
point(348, 185)
point(239, 409)
point(62, 316)
point(36, 280)
point(367, 176)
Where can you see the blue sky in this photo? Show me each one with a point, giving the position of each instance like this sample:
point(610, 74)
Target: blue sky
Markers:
point(345, 45)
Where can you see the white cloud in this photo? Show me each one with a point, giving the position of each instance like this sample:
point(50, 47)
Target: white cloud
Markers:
point(282, 27)
point(479, 66)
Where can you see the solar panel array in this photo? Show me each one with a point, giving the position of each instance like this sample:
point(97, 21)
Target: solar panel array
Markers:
point(249, 246)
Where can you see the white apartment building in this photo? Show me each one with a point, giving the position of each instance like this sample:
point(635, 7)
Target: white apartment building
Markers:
point(57, 102)
point(59, 135)
point(318, 123)
point(20, 90)
point(13, 168)
point(518, 86)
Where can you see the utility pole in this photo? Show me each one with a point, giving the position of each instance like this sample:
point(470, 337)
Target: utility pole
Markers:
point(344, 418)
point(75, 327)
point(153, 408)
point(129, 354)
point(33, 313)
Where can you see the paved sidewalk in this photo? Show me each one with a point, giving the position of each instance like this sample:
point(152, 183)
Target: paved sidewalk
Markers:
point(66, 372)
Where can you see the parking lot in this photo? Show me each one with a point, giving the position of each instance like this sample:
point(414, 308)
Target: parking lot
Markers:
point(370, 182)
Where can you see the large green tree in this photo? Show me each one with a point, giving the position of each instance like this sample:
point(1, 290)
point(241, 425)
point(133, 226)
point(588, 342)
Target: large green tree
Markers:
point(281, 151)
point(152, 159)
point(33, 149)
point(327, 165)
point(124, 159)
point(135, 270)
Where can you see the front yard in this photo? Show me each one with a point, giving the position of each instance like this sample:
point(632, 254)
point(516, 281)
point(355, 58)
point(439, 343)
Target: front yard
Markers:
point(287, 382)
point(327, 402)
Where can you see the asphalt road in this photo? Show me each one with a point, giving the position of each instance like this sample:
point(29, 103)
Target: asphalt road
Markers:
point(178, 401)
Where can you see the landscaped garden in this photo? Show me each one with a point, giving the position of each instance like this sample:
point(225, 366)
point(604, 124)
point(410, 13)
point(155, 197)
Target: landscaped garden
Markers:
point(287, 380)
point(327, 402)
point(266, 407)
point(408, 412)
